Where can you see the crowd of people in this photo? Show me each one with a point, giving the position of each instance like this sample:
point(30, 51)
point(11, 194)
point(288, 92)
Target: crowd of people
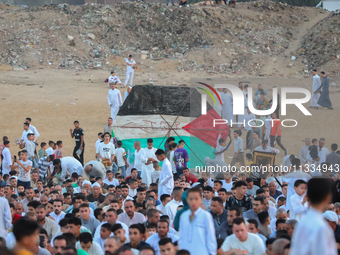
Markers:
point(52, 203)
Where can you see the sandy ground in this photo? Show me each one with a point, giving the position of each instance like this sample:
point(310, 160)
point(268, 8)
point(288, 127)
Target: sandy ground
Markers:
point(55, 98)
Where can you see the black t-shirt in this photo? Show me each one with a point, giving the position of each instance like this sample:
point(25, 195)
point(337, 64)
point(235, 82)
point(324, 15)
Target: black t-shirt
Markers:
point(77, 134)
point(245, 204)
point(100, 199)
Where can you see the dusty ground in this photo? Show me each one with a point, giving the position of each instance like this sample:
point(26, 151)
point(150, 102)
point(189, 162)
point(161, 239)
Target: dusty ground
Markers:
point(55, 98)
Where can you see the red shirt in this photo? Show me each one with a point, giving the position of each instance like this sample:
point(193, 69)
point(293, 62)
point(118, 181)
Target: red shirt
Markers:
point(191, 179)
point(275, 125)
point(16, 217)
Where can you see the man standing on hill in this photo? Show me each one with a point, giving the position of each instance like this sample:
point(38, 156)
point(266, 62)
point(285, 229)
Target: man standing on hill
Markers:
point(115, 100)
point(324, 99)
point(316, 86)
point(130, 66)
point(78, 135)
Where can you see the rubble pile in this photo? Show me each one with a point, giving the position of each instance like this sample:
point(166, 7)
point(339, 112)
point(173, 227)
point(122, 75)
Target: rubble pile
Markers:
point(322, 44)
point(221, 40)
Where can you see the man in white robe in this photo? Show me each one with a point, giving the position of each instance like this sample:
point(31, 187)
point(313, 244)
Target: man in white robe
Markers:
point(115, 100)
point(114, 79)
point(68, 164)
point(166, 180)
point(138, 152)
point(316, 85)
point(147, 166)
point(130, 66)
point(304, 151)
point(227, 106)
point(313, 235)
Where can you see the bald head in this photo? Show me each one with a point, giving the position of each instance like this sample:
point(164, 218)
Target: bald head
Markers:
point(136, 144)
point(279, 245)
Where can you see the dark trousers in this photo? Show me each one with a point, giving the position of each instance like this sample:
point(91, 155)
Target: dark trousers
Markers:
point(25, 184)
point(248, 137)
point(81, 156)
point(278, 141)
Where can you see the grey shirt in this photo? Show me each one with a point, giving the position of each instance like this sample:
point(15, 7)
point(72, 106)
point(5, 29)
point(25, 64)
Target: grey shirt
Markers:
point(98, 169)
point(252, 191)
point(91, 224)
point(51, 227)
point(333, 159)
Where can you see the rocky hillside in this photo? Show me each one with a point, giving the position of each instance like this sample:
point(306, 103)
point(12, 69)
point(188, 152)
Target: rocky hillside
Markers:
point(321, 46)
point(255, 38)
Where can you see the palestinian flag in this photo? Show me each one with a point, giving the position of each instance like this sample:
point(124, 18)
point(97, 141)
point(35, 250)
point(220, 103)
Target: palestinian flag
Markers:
point(152, 111)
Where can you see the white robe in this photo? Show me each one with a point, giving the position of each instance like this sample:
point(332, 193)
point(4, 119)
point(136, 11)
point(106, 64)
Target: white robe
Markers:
point(227, 107)
point(115, 101)
point(147, 169)
point(6, 217)
point(138, 164)
point(313, 236)
point(71, 165)
point(114, 79)
point(166, 180)
point(316, 85)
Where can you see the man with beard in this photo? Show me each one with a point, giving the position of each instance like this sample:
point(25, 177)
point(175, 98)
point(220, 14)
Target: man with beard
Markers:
point(162, 232)
point(29, 197)
point(57, 214)
point(48, 224)
point(59, 243)
point(111, 218)
point(111, 245)
point(130, 216)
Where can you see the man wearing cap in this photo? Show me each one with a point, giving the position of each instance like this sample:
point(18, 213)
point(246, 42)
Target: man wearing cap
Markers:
point(96, 195)
point(131, 65)
point(115, 100)
point(114, 79)
point(166, 180)
point(333, 220)
point(147, 157)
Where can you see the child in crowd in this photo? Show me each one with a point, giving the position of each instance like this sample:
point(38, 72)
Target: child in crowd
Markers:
point(42, 152)
point(119, 231)
point(208, 193)
point(100, 139)
point(58, 153)
point(121, 158)
point(313, 152)
point(51, 149)
point(298, 201)
point(105, 232)
point(86, 243)
point(155, 174)
point(249, 160)
point(172, 159)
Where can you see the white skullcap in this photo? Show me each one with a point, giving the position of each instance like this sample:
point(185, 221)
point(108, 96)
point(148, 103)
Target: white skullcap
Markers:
point(96, 184)
point(331, 216)
point(195, 184)
point(86, 182)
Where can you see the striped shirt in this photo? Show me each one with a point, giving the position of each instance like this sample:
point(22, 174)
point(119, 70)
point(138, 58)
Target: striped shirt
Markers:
point(43, 167)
